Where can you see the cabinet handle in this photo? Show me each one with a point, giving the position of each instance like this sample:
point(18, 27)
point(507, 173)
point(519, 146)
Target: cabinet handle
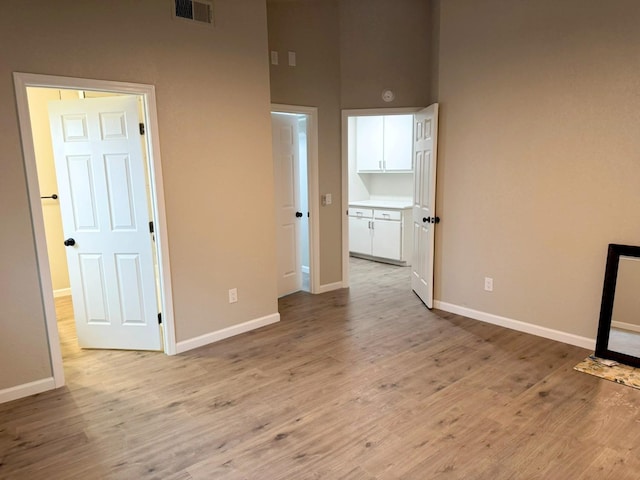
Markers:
point(372, 225)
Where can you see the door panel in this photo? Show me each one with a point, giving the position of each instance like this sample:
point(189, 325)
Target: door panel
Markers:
point(425, 152)
point(121, 203)
point(103, 200)
point(286, 157)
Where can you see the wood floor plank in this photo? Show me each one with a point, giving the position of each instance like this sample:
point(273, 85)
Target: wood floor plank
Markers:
point(356, 384)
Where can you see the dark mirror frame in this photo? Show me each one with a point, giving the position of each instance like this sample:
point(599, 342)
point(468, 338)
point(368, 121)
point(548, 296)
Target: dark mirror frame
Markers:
point(606, 308)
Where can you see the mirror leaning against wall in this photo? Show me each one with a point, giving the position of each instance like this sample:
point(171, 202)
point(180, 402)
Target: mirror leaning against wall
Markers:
point(619, 327)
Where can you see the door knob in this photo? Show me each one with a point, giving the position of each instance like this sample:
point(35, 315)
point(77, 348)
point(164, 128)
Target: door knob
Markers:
point(69, 242)
point(426, 219)
point(298, 214)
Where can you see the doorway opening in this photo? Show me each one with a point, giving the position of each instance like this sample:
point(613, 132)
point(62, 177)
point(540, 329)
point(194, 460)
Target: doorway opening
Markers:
point(107, 188)
point(295, 153)
point(388, 168)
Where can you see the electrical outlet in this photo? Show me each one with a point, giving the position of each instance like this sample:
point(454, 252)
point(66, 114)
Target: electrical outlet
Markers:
point(233, 295)
point(488, 284)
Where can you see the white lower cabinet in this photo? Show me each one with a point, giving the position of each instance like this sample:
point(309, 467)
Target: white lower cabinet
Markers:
point(382, 234)
point(360, 235)
point(386, 239)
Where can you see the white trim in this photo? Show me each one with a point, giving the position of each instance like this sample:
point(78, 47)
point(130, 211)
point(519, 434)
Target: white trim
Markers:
point(345, 173)
point(21, 82)
point(557, 335)
point(231, 331)
point(160, 220)
point(61, 292)
point(312, 186)
point(626, 326)
point(26, 389)
point(329, 287)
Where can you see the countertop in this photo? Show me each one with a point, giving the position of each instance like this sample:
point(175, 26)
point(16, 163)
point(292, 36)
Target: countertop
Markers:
point(394, 204)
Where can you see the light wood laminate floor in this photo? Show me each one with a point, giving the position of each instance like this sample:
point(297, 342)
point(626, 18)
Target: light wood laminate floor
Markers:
point(357, 384)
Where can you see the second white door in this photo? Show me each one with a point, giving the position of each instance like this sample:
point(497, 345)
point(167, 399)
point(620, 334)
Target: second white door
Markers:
point(286, 159)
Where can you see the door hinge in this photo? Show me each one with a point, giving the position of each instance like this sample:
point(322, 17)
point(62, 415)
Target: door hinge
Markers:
point(151, 227)
point(160, 319)
point(141, 125)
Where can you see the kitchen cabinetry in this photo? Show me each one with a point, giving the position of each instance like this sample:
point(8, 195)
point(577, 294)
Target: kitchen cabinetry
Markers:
point(380, 233)
point(384, 143)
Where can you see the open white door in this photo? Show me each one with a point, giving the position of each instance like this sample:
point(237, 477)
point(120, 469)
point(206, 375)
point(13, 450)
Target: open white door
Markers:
point(288, 215)
point(103, 200)
point(424, 199)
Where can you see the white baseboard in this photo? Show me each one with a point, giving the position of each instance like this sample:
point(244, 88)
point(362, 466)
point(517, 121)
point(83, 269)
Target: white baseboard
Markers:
point(571, 339)
point(26, 389)
point(626, 326)
point(62, 292)
point(218, 335)
point(305, 269)
point(329, 287)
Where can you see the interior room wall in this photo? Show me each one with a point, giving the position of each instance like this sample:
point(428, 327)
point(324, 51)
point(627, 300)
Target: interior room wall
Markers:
point(39, 114)
point(311, 29)
point(348, 51)
point(391, 186)
point(213, 102)
point(384, 44)
point(358, 183)
point(538, 167)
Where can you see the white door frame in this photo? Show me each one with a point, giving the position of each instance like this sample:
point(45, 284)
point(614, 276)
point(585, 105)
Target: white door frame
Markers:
point(345, 173)
point(21, 82)
point(312, 185)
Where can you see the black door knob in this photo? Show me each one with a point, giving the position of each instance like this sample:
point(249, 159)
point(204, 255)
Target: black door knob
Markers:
point(298, 214)
point(435, 219)
point(426, 219)
point(69, 242)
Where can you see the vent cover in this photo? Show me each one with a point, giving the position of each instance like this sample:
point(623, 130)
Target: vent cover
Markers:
point(195, 10)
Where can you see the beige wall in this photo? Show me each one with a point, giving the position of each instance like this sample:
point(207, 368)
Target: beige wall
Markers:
point(384, 44)
point(311, 29)
point(348, 51)
point(539, 164)
point(39, 115)
point(212, 89)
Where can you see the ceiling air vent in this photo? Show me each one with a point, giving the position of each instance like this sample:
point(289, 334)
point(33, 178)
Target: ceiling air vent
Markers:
point(195, 10)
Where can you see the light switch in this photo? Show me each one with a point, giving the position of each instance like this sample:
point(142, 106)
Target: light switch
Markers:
point(292, 59)
point(326, 199)
point(274, 57)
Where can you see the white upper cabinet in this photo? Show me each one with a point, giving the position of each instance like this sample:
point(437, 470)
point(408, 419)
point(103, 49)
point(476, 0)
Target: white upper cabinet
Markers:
point(384, 143)
point(398, 143)
point(369, 143)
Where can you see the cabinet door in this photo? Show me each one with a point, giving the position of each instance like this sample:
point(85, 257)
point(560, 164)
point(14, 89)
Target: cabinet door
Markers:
point(387, 236)
point(398, 142)
point(359, 235)
point(369, 144)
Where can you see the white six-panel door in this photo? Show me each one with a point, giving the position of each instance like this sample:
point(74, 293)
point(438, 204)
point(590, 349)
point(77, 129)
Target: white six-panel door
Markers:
point(103, 200)
point(424, 197)
point(286, 163)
